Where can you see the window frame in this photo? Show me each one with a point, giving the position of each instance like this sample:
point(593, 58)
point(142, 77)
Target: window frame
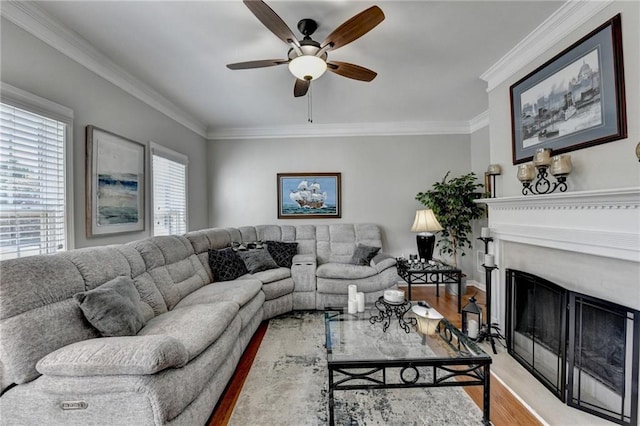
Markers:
point(169, 154)
point(11, 95)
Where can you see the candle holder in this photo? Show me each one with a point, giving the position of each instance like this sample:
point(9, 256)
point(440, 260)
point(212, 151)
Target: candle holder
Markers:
point(490, 179)
point(490, 330)
point(559, 166)
point(486, 241)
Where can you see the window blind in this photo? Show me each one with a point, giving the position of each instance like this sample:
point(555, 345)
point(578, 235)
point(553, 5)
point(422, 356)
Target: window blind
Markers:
point(32, 183)
point(169, 181)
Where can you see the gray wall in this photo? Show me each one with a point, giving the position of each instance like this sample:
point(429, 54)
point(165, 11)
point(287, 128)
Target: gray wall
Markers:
point(611, 165)
point(32, 65)
point(380, 177)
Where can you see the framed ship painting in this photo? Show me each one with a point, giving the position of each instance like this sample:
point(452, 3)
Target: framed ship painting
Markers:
point(114, 183)
point(573, 101)
point(309, 195)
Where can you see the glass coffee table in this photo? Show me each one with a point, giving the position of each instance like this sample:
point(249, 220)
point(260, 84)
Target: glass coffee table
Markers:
point(360, 355)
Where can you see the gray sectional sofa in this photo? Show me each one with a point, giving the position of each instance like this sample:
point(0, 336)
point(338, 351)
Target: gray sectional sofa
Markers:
point(187, 334)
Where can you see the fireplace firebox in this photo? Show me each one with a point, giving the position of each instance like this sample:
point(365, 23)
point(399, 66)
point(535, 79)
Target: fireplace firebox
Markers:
point(585, 350)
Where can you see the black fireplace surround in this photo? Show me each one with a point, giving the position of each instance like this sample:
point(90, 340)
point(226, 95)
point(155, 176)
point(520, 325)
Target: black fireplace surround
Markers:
point(583, 349)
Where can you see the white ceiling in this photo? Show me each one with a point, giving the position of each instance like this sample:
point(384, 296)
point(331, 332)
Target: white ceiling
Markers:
point(429, 56)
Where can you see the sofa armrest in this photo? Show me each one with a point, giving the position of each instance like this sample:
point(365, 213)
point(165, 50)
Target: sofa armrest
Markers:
point(115, 355)
point(303, 272)
point(383, 261)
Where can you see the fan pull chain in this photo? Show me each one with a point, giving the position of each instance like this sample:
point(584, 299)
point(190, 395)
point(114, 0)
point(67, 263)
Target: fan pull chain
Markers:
point(309, 105)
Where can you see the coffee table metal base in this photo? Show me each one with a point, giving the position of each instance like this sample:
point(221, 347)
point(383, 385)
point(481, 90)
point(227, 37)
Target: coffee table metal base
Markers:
point(375, 375)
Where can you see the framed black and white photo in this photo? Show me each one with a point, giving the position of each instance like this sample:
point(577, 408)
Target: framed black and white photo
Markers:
point(114, 183)
point(573, 101)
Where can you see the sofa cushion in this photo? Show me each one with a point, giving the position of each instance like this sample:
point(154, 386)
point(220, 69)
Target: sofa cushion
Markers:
point(115, 355)
point(363, 254)
point(282, 252)
point(195, 326)
point(238, 291)
point(172, 265)
point(225, 264)
point(268, 276)
point(345, 271)
point(277, 289)
point(113, 308)
point(257, 260)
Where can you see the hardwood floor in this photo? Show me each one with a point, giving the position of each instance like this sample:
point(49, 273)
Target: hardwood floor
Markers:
point(506, 410)
point(227, 401)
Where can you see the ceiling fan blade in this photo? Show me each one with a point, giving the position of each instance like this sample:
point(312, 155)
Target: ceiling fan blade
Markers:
point(271, 20)
point(354, 28)
point(256, 64)
point(353, 71)
point(301, 87)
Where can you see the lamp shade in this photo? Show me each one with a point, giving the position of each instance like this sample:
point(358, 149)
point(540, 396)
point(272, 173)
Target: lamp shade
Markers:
point(307, 67)
point(425, 221)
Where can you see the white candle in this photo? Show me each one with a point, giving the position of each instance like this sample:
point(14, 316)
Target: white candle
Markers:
point(352, 291)
point(352, 306)
point(489, 260)
point(472, 329)
point(485, 233)
point(360, 301)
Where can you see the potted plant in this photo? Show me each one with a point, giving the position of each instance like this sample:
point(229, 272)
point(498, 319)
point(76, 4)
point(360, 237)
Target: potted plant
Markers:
point(452, 203)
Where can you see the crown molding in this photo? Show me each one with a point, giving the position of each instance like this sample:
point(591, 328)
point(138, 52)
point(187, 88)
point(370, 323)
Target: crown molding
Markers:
point(355, 129)
point(568, 18)
point(38, 23)
point(34, 20)
point(344, 129)
point(479, 121)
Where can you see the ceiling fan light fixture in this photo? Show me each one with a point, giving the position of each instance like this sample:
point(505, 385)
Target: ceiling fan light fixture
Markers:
point(307, 67)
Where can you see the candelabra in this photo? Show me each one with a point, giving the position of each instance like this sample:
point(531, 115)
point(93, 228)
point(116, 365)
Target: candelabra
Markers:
point(559, 166)
point(489, 330)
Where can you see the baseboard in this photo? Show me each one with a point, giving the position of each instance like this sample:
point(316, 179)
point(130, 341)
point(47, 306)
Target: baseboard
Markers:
point(520, 400)
point(477, 284)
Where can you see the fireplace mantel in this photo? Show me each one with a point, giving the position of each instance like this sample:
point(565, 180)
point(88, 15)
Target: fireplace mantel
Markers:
point(602, 222)
point(586, 241)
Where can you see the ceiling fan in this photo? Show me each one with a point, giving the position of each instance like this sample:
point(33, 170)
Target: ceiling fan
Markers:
point(307, 59)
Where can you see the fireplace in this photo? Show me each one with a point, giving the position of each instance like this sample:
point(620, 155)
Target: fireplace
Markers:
point(583, 349)
point(581, 249)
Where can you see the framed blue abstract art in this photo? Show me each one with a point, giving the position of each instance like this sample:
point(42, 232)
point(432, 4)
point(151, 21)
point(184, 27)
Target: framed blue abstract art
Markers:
point(115, 170)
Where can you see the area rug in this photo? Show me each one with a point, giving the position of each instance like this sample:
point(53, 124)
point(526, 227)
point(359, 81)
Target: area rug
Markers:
point(287, 385)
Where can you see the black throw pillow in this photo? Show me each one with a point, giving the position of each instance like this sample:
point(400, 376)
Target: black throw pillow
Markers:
point(225, 264)
point(282, 252)
point(363, 254)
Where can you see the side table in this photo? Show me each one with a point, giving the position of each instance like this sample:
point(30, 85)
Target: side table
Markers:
point(430, 273)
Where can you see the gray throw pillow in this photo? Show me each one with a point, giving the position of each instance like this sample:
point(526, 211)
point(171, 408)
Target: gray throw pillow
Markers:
point(257, 260)
point(113, 308)
point(363, 254)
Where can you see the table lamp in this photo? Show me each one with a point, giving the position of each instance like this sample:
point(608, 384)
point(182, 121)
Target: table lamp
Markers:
point(425, 223)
